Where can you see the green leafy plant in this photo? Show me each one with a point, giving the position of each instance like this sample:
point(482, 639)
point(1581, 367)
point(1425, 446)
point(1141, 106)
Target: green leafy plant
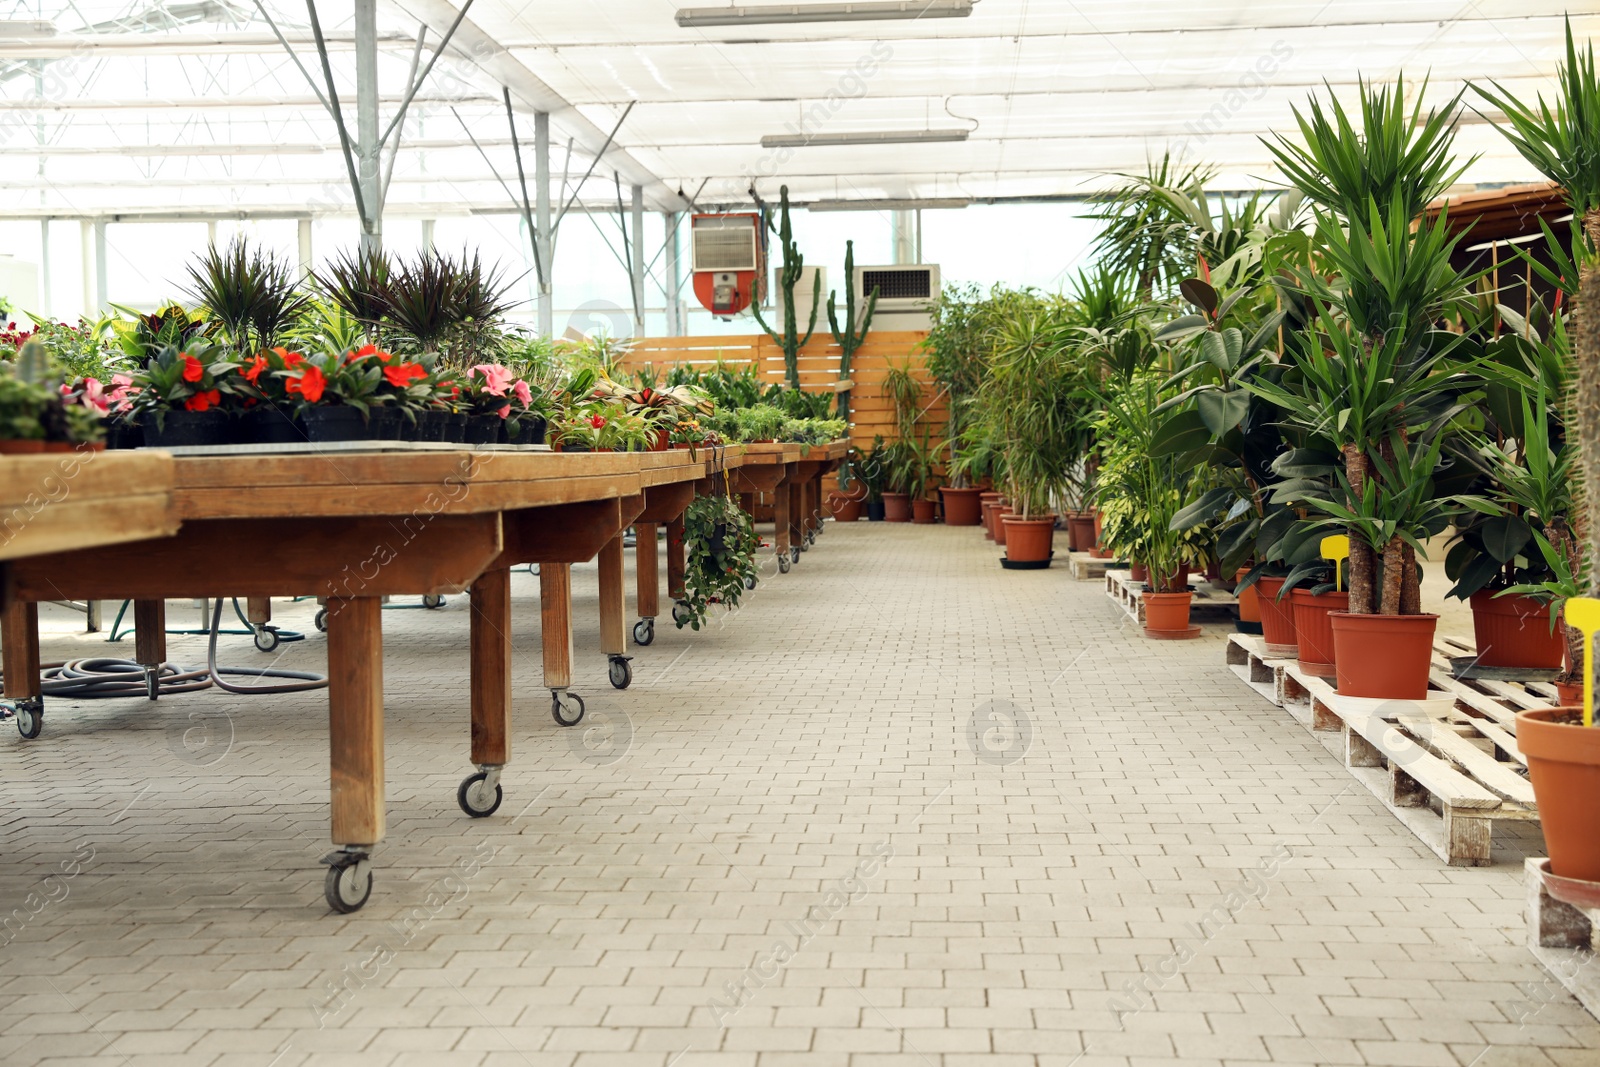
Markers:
point(719, 557)
point(254, 294)
point(199, 379)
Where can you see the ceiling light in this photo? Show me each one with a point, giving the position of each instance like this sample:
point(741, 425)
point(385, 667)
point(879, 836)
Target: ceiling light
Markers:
point(802, 140)
point(926, 203)
point(692, 17)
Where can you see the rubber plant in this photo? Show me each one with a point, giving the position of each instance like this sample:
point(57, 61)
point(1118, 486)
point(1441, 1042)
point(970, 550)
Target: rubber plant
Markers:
point(788, 278)
point(719, 558)
point(855, 329)
point(1562, 140)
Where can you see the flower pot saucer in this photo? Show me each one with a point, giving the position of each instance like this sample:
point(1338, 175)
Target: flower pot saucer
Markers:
point(1025, 565)
point(1574, 891)
point(1190, 634)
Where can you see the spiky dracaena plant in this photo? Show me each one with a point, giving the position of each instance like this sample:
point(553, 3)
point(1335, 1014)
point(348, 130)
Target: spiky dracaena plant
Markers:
point(789, 277)
point(1562, 140)
point(854, 333)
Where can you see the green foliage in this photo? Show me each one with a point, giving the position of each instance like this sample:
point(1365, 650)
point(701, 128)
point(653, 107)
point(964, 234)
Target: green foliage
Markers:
point(719, 557)
point(252, 293)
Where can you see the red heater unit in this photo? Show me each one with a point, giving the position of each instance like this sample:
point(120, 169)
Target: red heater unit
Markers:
point(730, 261)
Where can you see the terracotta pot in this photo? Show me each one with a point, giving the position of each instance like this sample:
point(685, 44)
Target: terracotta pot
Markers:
point(897, 507)
point(1277, 619)
point(59, 446)
point(1564, 764)
point(1028, 540)
point(1166, 615)
point(1571, 696)
point(1138, 572)
point(845, 509)
point(991, 514)
point(1313, 632)
point(962, 507)
point(1249, 601)
point(924, 512)
point(1180, 581)
point(1080, 531)
point(1383, 656)
point(21, 448)
point(1515, 631)
point(1000, 523)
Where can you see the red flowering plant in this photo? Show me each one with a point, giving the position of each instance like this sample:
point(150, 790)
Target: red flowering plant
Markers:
point(196, 378)
point(350, 378)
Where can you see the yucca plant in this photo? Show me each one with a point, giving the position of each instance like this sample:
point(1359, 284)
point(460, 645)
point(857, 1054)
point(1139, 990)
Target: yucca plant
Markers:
point(1561, 139)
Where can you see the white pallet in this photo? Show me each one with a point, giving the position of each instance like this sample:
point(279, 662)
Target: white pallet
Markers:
point(1208, 599)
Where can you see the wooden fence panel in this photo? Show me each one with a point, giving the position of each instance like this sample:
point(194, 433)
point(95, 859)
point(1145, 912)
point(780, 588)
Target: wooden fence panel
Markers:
point(871, 411)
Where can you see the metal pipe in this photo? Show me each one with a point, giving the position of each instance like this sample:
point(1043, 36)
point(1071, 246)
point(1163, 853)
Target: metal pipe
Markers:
point(542, 236)
point(369, 144)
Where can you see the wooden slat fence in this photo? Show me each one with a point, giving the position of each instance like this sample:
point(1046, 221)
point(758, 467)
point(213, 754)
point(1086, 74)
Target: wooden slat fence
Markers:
point(871, 411)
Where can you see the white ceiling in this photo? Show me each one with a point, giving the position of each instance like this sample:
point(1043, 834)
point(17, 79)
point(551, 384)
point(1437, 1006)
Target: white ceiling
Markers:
point(1056, 95)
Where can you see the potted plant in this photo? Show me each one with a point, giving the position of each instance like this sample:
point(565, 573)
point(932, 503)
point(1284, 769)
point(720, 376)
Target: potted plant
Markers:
point(1562, 745)
point(900, 476)
point(24, 403)
point(872, 471)
point(178, 396)
point(336, 392)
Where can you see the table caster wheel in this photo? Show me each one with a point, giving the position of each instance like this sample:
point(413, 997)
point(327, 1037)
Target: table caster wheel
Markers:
point(644, 631)
point(811, 539)
point(750, 582)
point(30, 718)
point(321, 621)
point(562, 708)
point(794, 554)
point(266, 639)
point(784, 564)
point(349, 881)
point(681, 613)
point(621, 672)
point(432, 601)
point(152, 680)
point(479, 797)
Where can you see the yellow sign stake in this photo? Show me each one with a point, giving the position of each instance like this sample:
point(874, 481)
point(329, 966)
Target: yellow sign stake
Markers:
point(1584, 613)
point(1336, 547)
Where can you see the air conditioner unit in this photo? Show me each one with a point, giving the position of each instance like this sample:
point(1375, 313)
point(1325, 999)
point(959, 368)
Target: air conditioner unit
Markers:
point(728, 259)
point(903, 287)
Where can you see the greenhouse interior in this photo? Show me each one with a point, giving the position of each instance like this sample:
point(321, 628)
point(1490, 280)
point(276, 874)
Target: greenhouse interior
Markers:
point(1014, 534)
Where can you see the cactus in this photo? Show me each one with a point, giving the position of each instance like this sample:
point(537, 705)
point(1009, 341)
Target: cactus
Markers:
point(33, 362)
point(788, 278)
point(849, 339)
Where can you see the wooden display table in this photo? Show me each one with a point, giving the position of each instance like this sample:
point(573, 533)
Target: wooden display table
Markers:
point(352, 528)
point(69, 500)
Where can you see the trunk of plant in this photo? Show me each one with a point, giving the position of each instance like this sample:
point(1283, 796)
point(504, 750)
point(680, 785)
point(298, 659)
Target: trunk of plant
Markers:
point(1393, 571)
point(1363, 560)
point(1574, 638)
point(1410, 583)
point(1586, 396)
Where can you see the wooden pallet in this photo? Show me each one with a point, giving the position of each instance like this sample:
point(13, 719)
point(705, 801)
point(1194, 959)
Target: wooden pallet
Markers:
point(1564, 937)
point(1089, 568)
point(1208, 599)
point(1447, 766)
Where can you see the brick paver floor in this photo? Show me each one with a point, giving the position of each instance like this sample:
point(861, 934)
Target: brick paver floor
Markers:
point(902, 808)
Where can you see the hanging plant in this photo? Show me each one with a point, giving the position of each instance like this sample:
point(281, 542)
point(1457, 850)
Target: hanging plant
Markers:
point(719, 557)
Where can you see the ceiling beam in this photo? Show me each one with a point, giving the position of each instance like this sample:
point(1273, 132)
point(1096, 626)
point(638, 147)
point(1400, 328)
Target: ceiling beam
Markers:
point(288, 148)
point(209, 103)
point(175, 44)
point(475, 46)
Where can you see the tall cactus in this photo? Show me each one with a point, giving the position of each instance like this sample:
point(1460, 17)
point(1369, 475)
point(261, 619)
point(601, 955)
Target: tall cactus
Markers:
point(788, 278)
point(849, 339)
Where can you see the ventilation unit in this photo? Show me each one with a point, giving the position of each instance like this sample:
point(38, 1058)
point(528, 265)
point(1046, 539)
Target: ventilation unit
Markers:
point(905, 287)
point(729, 260)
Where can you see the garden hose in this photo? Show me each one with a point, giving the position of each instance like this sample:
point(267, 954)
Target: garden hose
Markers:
point(100, 678)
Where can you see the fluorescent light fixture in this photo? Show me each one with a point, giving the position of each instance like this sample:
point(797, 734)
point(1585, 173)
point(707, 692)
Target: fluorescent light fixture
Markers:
point(695, 17)
point(927, 203)
point(803, 140)
point(13, 30)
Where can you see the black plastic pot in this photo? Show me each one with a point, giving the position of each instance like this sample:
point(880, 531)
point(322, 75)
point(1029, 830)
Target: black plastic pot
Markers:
point(179, 429)
point(387, 424)
point(268, 424)
point(485, 430)
point(874, 511)
point(330, 423)
point(530, 431)
point(432, 425)
point(122, 435)
point(456, 430)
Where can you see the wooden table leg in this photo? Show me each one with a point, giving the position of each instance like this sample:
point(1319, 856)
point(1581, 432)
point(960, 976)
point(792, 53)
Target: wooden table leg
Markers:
point(613, 599)
point(797, 504)
point(490, 641)
point(780, 523)
point(647, 564)
point(150, 641)
point(19, 649)
point(675, 559)
point(355, 719)
point(555, 621)
point(258, 610)
point(748, 502)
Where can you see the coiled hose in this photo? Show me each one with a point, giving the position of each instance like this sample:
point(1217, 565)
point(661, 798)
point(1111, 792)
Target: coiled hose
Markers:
point(100, 677)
